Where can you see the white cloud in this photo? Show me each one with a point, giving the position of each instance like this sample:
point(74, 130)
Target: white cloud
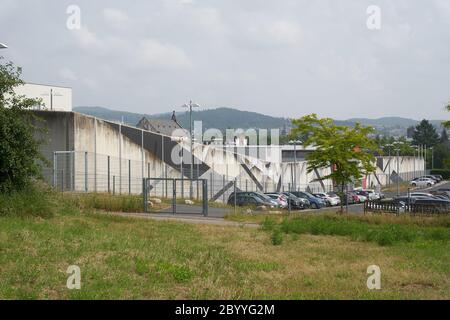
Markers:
point(286, 32)
point(115, 17)
point(154, 54)
point(67, 74)
point(87, 40)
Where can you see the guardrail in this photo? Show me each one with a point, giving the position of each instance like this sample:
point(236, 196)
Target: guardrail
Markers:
point(413, 208)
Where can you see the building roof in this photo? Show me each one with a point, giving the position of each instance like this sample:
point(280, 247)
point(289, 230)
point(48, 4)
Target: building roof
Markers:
point(166, 127)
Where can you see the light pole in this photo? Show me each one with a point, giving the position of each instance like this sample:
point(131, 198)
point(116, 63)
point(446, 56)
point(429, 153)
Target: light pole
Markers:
point(3, 46)
point(414, 161)
point(432, 158)
point(425, 159)
point(295, 143)
point(397, 145)
point(191, 136)
point(389, 146)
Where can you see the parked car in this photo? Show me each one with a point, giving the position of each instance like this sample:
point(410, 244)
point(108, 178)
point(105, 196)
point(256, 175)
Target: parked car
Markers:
point(438, 177)
point(362, 195)
point(445, 194)
point(421, 194)
point(251, 200)
point(261, 196)
point(330, 201)
point(280, 198)
point(352, 198)
point(369, 194)
point(432, 177)
point(423, 182)
point(315, 202)
point(296, 202)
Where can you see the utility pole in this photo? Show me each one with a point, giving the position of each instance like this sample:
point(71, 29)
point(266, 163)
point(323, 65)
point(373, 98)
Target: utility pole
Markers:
point(295, 143)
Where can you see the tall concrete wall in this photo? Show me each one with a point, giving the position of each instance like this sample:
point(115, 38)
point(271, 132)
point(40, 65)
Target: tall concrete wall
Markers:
point(105, 156)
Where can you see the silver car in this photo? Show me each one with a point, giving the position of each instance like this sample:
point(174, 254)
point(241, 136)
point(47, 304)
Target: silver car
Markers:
point(423, 182)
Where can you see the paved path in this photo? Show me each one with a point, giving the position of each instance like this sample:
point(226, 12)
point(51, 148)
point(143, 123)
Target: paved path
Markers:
point(194, 219)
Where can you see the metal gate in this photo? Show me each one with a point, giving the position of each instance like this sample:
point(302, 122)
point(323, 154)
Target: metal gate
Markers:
point(175, 196)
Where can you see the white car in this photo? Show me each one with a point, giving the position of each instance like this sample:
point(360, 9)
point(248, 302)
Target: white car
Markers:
point(373, 195)
point(331, 200)
point(423, 182)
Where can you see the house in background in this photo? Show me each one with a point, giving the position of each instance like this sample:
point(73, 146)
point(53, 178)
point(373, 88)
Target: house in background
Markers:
point(54, 98)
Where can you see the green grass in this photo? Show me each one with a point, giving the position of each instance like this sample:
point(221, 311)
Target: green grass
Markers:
point(306, 257)
point(361, 230)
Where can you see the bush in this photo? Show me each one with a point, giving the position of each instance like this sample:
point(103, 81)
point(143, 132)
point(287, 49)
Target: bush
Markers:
point(277, 237)
point(19, 148)
point(34, 200)
point(445, 173)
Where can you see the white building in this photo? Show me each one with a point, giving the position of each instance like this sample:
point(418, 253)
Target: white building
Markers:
point(54, 98)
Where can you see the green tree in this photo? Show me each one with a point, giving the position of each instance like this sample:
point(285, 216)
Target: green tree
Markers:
point(425, 134)
point(348, 151)
point(444, 137)
point(446, 124)
point(19, 150)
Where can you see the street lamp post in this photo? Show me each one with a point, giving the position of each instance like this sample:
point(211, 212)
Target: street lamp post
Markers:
point(191, 136)
point(397, 145)
point(389, 146)
point(295, 143)
point(432, 158)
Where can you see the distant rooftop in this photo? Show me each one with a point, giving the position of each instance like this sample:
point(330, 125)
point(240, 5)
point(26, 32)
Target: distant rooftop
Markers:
point(165, 127)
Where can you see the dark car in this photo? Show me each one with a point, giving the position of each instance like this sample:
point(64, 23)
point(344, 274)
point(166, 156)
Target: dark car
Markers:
point(250, 200)
point(315, 203)
point(438, 177)
point(296, 202)
point(263, 197)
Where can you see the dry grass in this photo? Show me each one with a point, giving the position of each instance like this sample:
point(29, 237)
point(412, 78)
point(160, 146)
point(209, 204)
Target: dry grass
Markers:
point(325, 267)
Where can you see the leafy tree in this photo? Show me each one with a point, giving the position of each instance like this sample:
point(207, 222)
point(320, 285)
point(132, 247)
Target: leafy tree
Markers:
point(425, 134)
point(19, 150)
point(349, 151)
point(444, 137)
point(446, 124)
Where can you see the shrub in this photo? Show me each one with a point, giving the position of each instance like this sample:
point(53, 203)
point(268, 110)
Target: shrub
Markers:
point(277, 237)
point(19, 148)
point(445, 173)
point(34, 200)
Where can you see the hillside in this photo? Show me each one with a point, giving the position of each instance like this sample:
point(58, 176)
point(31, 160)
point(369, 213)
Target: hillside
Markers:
point(220, 118)
point(223, 118)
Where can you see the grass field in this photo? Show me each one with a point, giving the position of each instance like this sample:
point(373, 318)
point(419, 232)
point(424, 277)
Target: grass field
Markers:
point(125, 258)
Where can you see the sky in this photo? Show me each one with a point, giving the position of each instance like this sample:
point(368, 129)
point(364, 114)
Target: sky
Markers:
point(287, 58)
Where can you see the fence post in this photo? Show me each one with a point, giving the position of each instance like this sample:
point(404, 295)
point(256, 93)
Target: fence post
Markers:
point(212, 184)
point(114, 185)
point(109, 174)
point(54, 170)
point(86, 172)
point(62, 180)
point(174, 196)
point(129, 177)
point(235, 195)
point(205, 197)
point(223, 186)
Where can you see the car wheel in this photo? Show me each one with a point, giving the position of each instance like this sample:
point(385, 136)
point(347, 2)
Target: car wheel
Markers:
point(314, 206)
point(414, 184)
point(429, 184)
